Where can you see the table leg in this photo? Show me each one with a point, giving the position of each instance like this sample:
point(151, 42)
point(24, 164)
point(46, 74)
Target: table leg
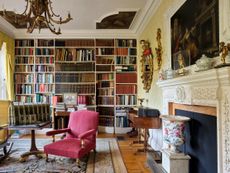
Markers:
point(33, 149)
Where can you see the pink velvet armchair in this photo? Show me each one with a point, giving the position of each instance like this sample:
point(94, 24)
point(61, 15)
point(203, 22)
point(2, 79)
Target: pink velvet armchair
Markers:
point(80, 136)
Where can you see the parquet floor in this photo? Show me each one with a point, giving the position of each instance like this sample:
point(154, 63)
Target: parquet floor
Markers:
point(135, 162)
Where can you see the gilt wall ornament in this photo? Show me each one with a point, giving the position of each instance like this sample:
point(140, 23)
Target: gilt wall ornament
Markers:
point(146, 65)
point(159, 49)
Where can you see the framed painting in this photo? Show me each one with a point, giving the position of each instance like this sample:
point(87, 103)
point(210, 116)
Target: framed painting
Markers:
point(195, 29)
point(70, 98)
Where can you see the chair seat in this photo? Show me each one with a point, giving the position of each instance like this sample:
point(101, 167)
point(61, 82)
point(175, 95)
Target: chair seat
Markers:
point(68, 148)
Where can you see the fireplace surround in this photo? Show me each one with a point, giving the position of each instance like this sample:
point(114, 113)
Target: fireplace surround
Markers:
point(207, 88)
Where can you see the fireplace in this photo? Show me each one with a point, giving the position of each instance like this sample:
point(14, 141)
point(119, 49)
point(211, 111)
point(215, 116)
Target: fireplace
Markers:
point(206, 93)
point(200, 136)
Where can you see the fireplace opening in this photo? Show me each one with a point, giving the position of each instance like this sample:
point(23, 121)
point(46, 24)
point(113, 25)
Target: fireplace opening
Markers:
point(200, 141)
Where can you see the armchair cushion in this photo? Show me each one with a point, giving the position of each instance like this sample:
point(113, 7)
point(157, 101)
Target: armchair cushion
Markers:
point(68, 148)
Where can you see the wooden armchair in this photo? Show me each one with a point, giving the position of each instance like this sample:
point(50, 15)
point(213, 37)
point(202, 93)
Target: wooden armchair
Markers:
point(80, 136)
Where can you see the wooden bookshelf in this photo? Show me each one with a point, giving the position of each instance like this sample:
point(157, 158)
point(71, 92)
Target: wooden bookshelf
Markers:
point(125, 82)
point(103, 73)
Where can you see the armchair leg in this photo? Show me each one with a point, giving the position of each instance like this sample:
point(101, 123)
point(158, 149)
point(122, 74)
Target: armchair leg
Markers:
point(78, 162)
point(94, 150)
point(46, 157)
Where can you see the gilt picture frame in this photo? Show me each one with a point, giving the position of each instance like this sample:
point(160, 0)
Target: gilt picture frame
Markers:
point(70, 98)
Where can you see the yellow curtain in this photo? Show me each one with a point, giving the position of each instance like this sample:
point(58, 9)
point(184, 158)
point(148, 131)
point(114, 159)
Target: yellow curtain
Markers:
point(9, 63)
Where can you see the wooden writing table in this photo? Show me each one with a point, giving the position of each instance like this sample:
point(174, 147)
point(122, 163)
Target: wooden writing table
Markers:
point(61, 116)
point(144, 123)
point(33, 147)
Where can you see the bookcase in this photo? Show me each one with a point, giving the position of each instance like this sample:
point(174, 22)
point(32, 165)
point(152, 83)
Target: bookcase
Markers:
point(75, 70)
point(102, 72)
point(125, 82)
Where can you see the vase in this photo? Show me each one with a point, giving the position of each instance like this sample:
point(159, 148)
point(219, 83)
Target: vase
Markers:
point(173, 130)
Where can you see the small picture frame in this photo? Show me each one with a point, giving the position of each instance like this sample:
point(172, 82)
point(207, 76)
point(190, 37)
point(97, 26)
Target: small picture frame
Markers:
point(181, 59)
point(70, 98)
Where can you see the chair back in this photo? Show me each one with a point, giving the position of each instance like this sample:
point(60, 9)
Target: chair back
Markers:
point(82, 121)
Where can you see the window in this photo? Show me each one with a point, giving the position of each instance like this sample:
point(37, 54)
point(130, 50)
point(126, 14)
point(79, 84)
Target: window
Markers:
point(3, 91)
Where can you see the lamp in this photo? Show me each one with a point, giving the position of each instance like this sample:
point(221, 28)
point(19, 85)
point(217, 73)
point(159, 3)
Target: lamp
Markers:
point(38, 14)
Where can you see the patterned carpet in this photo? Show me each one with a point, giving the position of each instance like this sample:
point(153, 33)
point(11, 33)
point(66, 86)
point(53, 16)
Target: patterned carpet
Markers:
point(107, 160)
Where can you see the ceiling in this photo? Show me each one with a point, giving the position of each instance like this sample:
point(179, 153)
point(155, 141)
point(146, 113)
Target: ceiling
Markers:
point(86, 14)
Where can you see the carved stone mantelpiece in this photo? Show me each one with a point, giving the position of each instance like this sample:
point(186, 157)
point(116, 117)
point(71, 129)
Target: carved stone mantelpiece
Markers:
point(207, 88)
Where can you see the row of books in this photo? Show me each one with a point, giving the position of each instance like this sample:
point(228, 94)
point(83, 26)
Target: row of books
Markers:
point(24, 68)
point(24, 51)
point(105, 42)
point(105, 100)
point(106, 121)
point(75, 42)
point(126, 89)
point(41, 98)
point(44, 43)
point(122, 121)
point(126, 78)
point(80, 89)
point(44, 78)
point(75, 67)
point(103, 68)
point(44, 68)
point(24, 43)
point(72, 54)
point(24, 89)
point(126, 60)
point(105, 91)
point(24, 99)
point(24, 78)
point(105, 51)
point(104, 60)
point(44, 51)
point(125, 68)
point(126, 43)
point(24, 60)
point(86, 100)
point(40, 88)
point(126, 100)
point(122, 51)
point(106, 111)
point(107, 76)
point(102, 84)
point(25, 114)
point(73, 77)
point(44, 60)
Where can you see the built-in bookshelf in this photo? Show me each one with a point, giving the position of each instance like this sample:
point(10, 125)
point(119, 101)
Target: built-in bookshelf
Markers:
point(103, 73)
point(75, 70)
point(24, 70)
point(44, 70)
point(105, 83)
point(126, 82)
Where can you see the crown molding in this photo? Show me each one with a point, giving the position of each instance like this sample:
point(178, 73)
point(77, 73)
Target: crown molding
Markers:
point(150, 9)
point(121, 33)
point(6, 27)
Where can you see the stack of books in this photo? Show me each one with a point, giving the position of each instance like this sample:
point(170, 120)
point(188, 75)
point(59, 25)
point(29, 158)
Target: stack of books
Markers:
point(60, 107)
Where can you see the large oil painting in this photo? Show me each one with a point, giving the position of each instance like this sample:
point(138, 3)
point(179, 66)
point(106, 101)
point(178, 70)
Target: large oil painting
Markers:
point(195, 29)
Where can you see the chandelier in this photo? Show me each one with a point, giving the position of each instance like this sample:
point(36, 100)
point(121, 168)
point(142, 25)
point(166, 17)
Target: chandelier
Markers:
point(38, 14)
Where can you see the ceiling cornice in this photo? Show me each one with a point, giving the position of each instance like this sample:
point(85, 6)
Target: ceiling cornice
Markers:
point(151, 8)
point(6, 27)
point(121, 33)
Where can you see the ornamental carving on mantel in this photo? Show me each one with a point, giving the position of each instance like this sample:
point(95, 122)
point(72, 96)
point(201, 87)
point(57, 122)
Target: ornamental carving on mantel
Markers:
point(226, 129)
point(204, 93)
point(180, 94)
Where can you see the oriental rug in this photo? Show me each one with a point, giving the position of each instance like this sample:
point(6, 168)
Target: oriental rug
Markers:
point(106, 160)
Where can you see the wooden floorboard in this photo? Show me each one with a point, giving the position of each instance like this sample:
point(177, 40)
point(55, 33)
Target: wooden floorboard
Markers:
point(135, 162)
